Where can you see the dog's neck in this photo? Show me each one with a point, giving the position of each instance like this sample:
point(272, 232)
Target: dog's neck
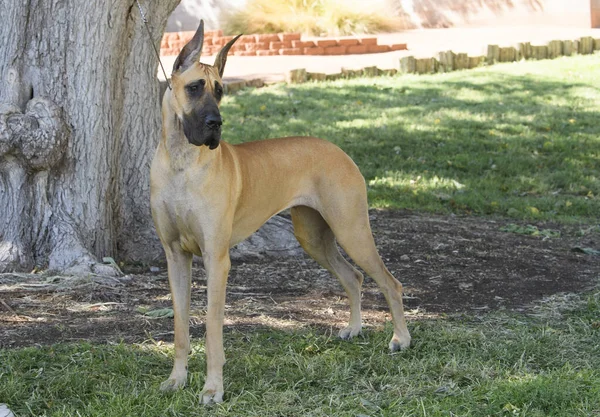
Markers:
point(182, 154)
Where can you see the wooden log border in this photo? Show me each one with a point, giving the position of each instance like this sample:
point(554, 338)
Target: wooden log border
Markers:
point(445, 61)
point(448, 61)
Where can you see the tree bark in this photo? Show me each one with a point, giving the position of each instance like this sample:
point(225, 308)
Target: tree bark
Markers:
point(79, 123)
point(78, 126)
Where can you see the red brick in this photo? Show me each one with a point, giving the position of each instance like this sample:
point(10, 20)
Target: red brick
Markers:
point(316, 50)
point(267, 37)
point(398, 47)
point(208, 41)
point(240, 47)
point(368, 41)
point(256, 46)
point(378, 48)
point(213, 33)
point(247, 39)
point(335, 50)
point(290, 51)
point(347, 42)
point(283, 37)
point(266, 52)
point(358, 49)
point(177, 45)
point(244, 53)
point(324, 43)
point(302, 44)
point(222, 40)
point(280, 45)
point(171, 36)
point(186, 36)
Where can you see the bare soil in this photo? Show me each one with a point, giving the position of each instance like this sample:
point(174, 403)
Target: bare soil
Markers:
point(447, 264)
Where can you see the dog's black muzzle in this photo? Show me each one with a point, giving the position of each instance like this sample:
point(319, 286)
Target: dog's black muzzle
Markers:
point(203, 128)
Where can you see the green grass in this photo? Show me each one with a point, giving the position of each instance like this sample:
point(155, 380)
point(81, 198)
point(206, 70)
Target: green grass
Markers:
point(518, 140)
point(543, 364)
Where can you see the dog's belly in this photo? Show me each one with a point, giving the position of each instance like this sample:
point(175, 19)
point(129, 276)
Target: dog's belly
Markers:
point(245, 225)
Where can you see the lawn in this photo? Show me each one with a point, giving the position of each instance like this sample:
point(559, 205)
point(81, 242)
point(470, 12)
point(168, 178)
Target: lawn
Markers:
point(520, 141)
point(543, 364)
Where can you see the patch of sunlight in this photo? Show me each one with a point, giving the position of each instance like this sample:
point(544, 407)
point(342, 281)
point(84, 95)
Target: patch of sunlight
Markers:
point(470, 95)
point(585, 93)
point(356, 123)
point(402, 180)
point(278, 90)
point(103, 307)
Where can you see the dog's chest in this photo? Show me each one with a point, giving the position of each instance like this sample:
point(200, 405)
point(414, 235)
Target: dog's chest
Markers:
point(180, 215)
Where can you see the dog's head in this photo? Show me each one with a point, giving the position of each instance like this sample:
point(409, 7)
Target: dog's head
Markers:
point(197, 91)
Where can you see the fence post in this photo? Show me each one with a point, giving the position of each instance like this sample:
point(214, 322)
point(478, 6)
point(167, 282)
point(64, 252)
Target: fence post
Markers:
point(408, 65)
point(555, 49)
point(493, 54)
point(297, 76)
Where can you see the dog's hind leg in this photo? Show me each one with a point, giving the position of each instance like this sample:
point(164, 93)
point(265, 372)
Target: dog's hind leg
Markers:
point(179, 265)
point(317, 239)
point(353, 233)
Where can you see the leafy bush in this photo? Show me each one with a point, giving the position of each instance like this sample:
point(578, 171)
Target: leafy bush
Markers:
point(310, 17)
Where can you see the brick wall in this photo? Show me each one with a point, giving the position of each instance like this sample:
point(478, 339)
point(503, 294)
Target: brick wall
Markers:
point(277, 44)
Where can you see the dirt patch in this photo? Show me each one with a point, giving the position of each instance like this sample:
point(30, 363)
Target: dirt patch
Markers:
point(447, 265)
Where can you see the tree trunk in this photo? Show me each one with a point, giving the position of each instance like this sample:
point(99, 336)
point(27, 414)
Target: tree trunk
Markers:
point(79, 123)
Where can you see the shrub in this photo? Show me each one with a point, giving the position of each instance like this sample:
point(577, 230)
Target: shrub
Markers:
point(310, 17)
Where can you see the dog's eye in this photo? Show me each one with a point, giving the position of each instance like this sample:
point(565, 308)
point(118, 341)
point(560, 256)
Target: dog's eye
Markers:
point(218, 91)
point(195, 87)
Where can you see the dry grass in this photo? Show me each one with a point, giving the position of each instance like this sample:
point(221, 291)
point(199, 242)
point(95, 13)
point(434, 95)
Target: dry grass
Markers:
point(310, 17)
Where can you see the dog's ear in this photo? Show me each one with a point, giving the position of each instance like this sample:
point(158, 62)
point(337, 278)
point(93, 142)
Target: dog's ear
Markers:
point(191, 51)
point(221, 58)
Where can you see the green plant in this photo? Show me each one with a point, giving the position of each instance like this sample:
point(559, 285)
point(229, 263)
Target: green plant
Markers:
point(311, 17)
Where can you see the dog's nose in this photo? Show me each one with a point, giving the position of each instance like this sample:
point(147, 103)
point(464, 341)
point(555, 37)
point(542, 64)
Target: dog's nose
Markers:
point(214, 121)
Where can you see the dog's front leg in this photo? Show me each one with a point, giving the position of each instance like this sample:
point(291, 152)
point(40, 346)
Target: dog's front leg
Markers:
point(217, 265)
point(179, 265)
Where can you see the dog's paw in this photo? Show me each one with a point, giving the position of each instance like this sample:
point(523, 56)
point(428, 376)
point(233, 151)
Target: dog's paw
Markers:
point(399, 343)
point(172, 384)
point(211, 396)
point(349, 332)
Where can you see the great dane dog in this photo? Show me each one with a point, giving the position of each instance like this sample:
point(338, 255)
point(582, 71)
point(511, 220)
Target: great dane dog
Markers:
point(208, 195)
